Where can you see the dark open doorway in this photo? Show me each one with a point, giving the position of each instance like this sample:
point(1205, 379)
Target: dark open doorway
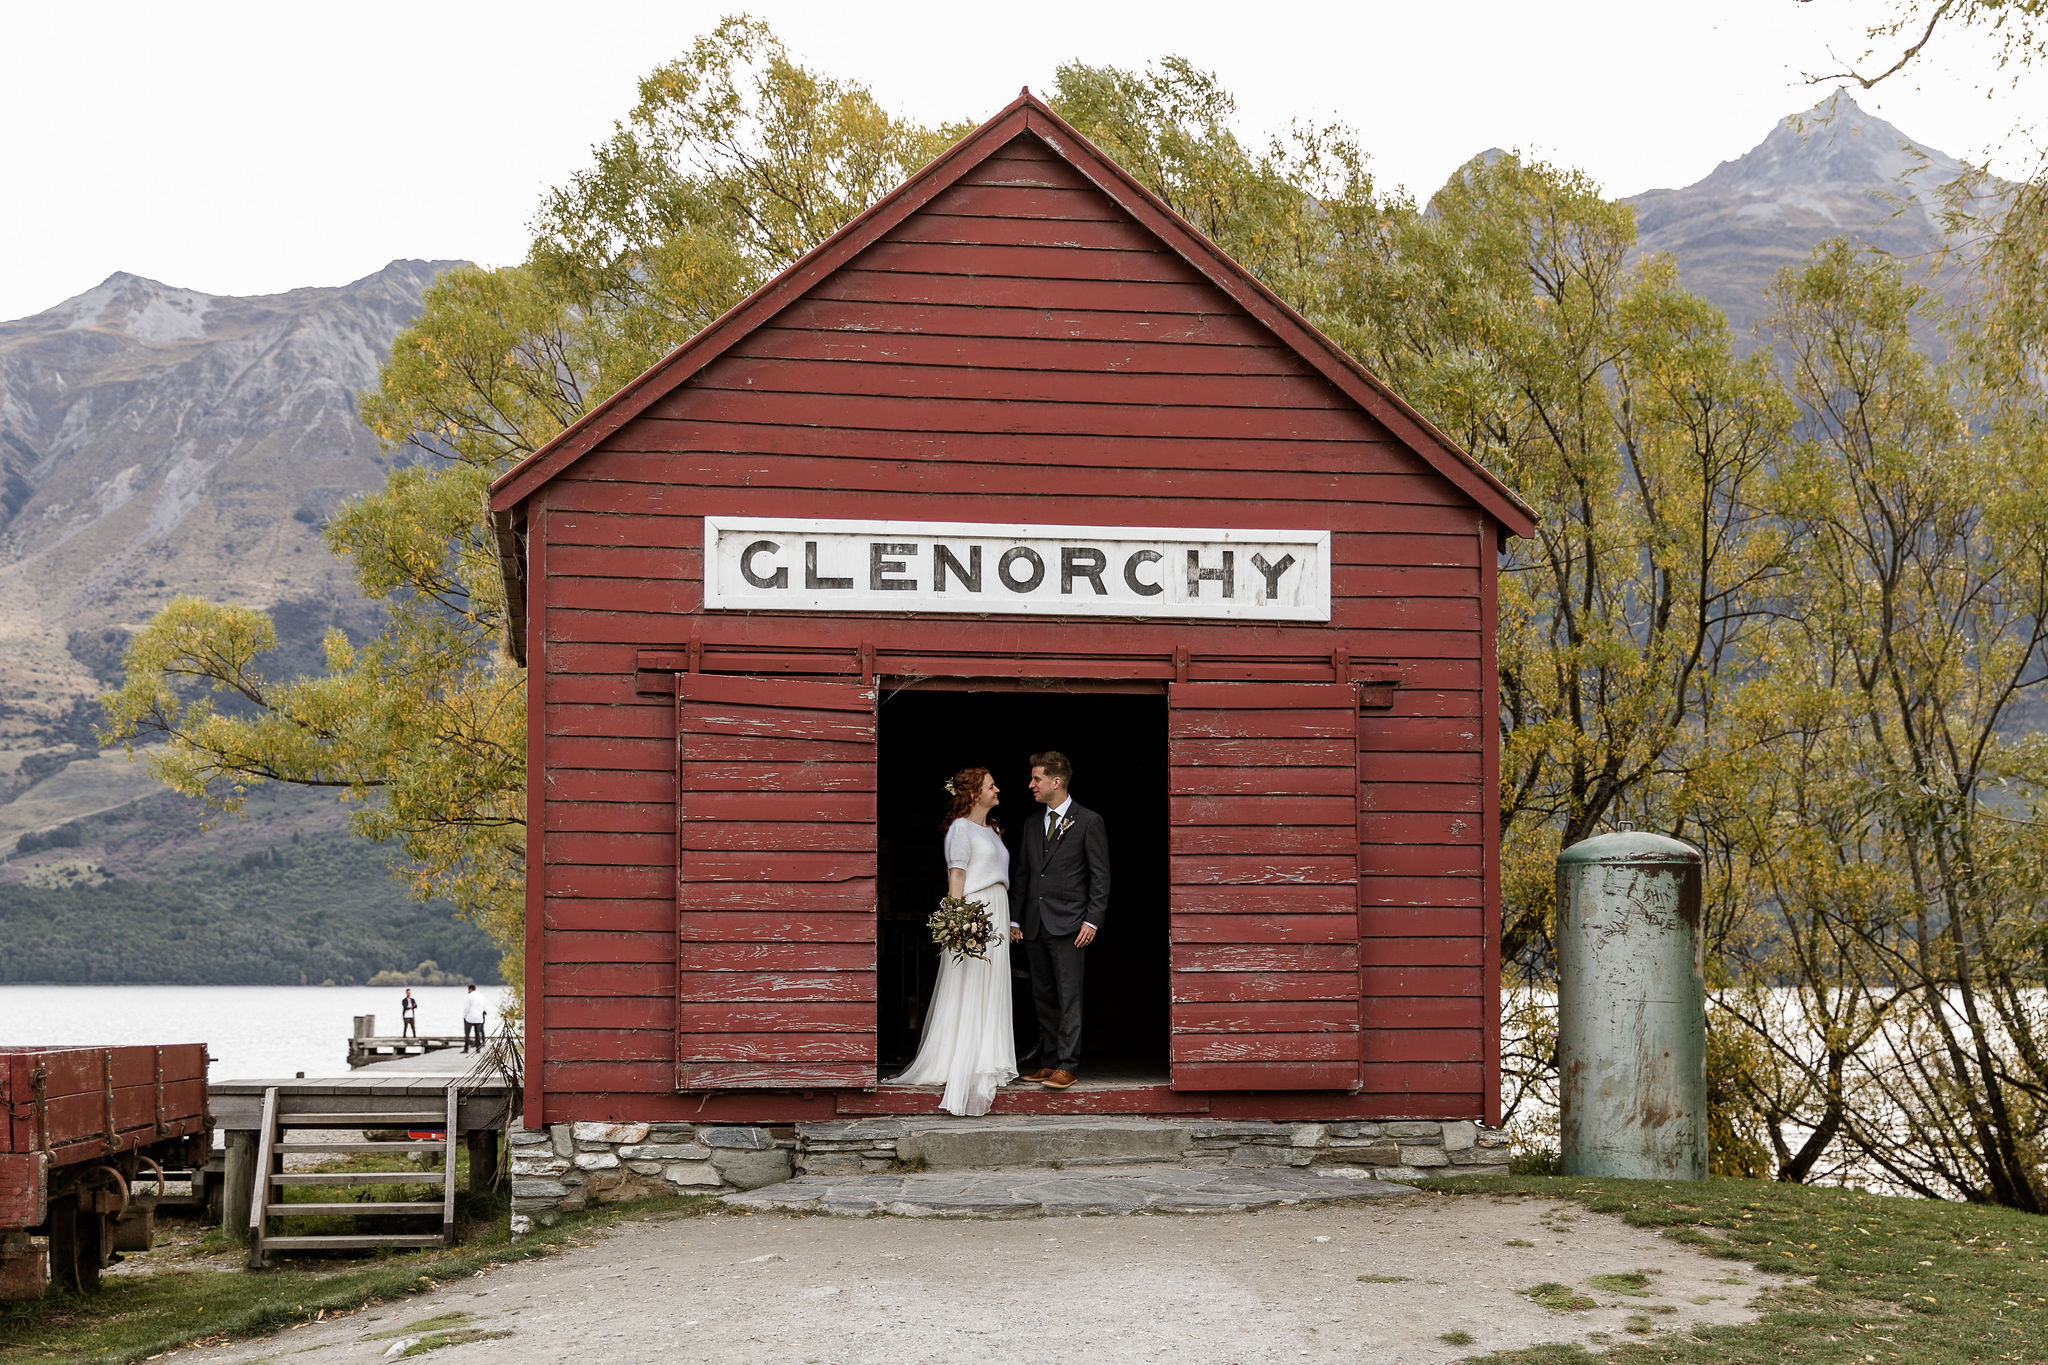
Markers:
point(1117, 742)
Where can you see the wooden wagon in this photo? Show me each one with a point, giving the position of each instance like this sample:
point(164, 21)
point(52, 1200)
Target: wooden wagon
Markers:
point(82, 1129)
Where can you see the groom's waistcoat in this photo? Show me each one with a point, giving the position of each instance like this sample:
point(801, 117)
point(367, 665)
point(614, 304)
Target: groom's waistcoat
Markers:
point(1063, 883)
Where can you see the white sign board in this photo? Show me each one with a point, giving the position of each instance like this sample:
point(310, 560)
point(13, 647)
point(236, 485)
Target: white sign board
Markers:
point(963, 567)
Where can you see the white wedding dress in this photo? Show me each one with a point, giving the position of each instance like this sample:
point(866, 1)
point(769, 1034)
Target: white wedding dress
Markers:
point(968, 1044)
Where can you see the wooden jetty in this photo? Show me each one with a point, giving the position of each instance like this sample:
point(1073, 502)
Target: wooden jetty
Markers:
point(366, 1046)
point(433, 1094)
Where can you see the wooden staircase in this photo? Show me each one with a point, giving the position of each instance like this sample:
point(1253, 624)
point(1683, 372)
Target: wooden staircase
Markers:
point(283, 1113)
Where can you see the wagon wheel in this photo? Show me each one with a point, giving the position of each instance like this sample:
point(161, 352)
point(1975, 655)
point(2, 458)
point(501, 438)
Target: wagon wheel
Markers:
point(78, 1244)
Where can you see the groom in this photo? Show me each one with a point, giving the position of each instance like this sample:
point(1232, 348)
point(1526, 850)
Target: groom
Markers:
point(1057, 903)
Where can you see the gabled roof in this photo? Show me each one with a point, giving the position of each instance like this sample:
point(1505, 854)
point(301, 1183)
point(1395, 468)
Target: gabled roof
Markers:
point(1026, 114)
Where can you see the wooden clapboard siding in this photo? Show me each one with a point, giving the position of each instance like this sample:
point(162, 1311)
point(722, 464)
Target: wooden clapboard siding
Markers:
point(775, 908)
point(702, 917)
point(1242, 947)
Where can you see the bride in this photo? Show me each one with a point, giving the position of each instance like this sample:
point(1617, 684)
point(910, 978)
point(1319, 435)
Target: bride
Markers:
point(968, 1045)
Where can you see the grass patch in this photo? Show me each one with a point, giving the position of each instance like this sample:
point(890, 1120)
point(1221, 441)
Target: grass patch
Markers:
point(1909, 1280)
point(1632, 1282)
point(1519, 1242)
point(434, 1341)
point(141, 1315)
point(1383, 1279)
point(440, 1322)
point(1558, 1298)
point(1457, 1338)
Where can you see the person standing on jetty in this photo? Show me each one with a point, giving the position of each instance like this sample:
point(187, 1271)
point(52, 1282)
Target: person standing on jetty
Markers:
point(409, 1010)
point(473, 1016)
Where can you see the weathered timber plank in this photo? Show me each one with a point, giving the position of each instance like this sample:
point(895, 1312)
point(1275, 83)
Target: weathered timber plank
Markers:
point(765, 987)
point(623, 914)
point(1418, 827)
point(611, 979)
point(754, 804)
point(565, 945)
point(1341, 927)
point(1262, 957)
point(1266, 1075)
point(784, 868)
point(700, 956)
point(1270, 898)
point(818, 343)
point(609, 850)
point(642, 452)
point(1038, 418)
point(1421, 860)
point(777, 1047)
point(1254, 809)
point(1422, 1045)
point(1393, 1012)
point(560, 1044)
point(1381, 795)
point(877, 378)
point(610, 785)
point(1257, 869)
point(1393, 981)
point(784, 1016)
point(866, 317)
point(710, 781)
point(778, 1075)
point(1052, 262)
point(1286, 1016)
point(1422, 951)
point(1229, 781)
point(1218, 987)
point(1263, 1047)
point(1019, 201)
point(592, 817)
point(710, 834)
point(786, 725)
point(603, 1012)
point(1275, 840)
point(774, 926)
point(568, 880)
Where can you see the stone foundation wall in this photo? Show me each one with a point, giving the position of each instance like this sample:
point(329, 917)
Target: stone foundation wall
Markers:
point(569, 1166)
point(1401, 1149)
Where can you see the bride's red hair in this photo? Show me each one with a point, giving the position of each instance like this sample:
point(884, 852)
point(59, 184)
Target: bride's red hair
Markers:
point(962, 792)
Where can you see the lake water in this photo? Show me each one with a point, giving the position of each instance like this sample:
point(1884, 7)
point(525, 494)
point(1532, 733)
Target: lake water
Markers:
point(249, 1031)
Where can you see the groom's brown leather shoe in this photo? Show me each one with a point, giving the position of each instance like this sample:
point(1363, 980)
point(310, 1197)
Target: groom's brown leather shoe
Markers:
point(1058, 1080)
point(1041, 1074)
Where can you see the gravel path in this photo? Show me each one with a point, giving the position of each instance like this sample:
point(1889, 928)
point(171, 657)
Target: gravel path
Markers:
point(1305, 1283)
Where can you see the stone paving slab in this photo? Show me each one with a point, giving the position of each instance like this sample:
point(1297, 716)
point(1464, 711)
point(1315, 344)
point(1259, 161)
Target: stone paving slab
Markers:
point(1050, 1193)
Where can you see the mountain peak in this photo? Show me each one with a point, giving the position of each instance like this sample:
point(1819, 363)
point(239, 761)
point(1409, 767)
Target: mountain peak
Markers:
point(147, 310)
point(1834, 146)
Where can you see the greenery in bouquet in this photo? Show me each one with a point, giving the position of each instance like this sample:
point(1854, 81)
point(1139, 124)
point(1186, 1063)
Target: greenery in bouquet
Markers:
point(961, 926)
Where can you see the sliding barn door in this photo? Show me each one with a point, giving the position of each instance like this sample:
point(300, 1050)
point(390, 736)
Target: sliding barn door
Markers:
point(1264, 845)
point(776, 883)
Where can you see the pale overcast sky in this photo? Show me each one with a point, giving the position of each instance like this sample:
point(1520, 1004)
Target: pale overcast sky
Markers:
point(252, 148)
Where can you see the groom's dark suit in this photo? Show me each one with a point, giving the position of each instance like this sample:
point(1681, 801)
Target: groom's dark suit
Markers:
point(1063, 884)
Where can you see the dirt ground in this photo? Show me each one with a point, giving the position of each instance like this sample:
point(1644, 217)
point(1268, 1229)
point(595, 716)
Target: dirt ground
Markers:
point(1324, 1283)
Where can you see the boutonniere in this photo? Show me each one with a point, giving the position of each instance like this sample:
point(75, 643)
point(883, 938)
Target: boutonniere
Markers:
point(1060, 826)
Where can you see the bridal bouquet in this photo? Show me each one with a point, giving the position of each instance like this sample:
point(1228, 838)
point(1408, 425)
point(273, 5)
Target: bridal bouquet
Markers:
point(961, 926)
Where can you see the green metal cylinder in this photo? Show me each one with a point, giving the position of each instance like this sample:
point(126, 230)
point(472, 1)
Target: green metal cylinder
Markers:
point(1631, 1009)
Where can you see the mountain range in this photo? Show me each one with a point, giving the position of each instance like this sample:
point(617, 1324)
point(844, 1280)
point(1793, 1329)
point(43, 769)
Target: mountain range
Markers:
point(157, 441)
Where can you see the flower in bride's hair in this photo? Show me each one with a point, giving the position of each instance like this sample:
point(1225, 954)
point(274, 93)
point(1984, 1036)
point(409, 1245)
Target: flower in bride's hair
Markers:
point(947, 786)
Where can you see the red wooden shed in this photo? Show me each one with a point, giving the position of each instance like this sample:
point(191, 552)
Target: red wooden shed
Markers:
point(1017, 460)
